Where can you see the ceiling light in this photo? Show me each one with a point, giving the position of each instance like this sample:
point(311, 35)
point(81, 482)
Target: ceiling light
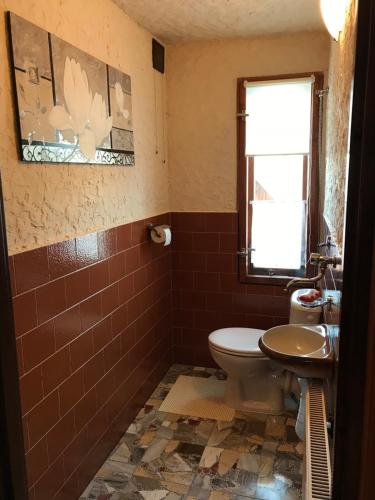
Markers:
point(333, 13)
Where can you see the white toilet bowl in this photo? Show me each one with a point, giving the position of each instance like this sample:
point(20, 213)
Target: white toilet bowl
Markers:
point(255, 383)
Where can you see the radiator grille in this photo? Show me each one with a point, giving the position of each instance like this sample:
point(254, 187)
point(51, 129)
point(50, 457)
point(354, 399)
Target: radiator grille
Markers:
point(318, 466)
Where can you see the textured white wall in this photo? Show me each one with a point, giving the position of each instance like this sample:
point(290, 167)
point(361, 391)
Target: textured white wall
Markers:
point(340, 82)
point(201, 87)
point(49, 203)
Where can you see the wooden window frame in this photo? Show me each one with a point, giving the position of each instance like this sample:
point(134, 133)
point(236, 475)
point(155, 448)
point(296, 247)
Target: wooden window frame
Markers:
point(242, 187)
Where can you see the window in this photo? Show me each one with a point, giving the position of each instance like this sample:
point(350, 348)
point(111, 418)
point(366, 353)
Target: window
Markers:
point(277, 175)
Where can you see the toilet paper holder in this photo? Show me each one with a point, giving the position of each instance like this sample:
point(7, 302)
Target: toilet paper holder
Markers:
point(152, 228)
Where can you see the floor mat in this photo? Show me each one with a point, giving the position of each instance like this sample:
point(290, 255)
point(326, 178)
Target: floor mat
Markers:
point(198, 397)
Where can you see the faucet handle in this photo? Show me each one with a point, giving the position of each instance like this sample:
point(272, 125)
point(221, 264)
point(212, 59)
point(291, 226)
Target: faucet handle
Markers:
point(316, 258)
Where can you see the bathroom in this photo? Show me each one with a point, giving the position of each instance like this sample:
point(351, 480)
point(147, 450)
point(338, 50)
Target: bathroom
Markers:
point(152, 270)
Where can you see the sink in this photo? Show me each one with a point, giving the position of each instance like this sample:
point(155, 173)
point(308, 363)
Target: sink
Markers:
point(302, 349)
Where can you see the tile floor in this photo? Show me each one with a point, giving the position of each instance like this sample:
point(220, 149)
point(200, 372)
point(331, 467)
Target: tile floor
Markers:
point(169, 456)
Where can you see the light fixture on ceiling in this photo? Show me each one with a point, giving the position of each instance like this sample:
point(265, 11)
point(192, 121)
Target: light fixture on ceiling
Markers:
point(333, 13)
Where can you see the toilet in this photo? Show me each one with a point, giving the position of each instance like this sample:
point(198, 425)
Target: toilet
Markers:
point(254, 382)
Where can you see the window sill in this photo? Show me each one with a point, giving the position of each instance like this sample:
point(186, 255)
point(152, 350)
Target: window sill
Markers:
point(266, 280)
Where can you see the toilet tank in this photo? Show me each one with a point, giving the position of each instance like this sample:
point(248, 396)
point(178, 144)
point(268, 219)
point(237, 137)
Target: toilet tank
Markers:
point(300, 314)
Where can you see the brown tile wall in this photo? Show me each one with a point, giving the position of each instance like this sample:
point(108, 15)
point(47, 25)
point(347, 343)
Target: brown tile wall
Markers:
point(92, 320)
point(206, 292)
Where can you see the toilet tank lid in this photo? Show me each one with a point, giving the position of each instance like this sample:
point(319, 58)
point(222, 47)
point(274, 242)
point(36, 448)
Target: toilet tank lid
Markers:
point(237, 340)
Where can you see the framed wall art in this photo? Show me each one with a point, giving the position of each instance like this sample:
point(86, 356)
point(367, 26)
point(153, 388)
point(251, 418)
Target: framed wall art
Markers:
point(70, 106)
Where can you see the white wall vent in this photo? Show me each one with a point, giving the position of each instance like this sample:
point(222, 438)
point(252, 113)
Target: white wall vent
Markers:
point(318, 477)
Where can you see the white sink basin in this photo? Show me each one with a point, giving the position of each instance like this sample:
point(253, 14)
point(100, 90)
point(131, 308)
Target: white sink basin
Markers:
point(302, 349)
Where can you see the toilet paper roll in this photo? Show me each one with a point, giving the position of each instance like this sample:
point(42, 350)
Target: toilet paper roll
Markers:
point(162, 234)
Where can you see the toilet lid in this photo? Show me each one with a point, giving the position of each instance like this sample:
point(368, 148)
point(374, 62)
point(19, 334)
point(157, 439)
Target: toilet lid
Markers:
point(238, 341)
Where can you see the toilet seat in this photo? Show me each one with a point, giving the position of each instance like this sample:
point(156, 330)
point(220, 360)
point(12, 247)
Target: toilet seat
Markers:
point(237, 342)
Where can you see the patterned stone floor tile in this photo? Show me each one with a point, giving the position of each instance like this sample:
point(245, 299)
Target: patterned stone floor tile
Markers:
point(170, 460)
point(147, 418)
point(155, 450)
point(291, 435)
point(288, 469)
point(173, 426)
point(200, 487)
point(270, 446)
point(94, 490)
point(178, 489)
point(136, 451)
point(275, 427)
point(286, 448)
point(121, 454)
point(216, 373)
point(193, 430)
point(154, 403)
point(152, 489)
point(266, 465)
point(191, 452)
point(291, 422)
point(176, 457)
point(276, 489)
point(161, 391)
point(242, 435)
point(300, 449)
point(147, 438)
point(249, 462)
point(236, 482)
point(219, 495)
point(228, 460)
point(209, 462)
point(116, 474)
point(164, 431)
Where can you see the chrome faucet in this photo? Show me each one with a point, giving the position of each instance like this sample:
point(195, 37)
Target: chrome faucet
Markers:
point(315, 258)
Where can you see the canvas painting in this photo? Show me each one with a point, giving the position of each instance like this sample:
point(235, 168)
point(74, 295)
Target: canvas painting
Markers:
point(71, 107)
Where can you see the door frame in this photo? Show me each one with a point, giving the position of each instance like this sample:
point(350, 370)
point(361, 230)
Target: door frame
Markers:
point(13, 483)
point(354, 448)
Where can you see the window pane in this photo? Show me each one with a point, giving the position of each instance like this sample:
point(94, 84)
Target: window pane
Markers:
point(278, 234)
point(279, 117)
point(278, 178)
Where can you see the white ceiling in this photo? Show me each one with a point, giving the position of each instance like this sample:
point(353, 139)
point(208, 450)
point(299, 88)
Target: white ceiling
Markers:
point(189, 20)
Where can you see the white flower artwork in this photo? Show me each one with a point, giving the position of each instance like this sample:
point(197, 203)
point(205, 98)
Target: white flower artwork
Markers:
point(71, 107)
point(120, 99)
point(85, 114)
